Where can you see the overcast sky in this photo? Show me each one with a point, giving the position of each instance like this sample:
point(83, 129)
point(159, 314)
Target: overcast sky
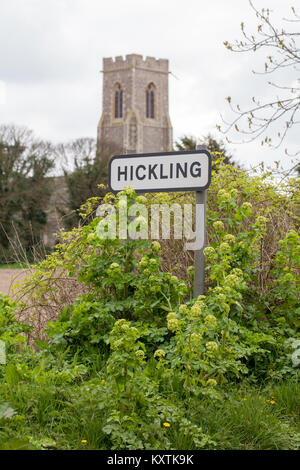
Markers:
point(51, 56)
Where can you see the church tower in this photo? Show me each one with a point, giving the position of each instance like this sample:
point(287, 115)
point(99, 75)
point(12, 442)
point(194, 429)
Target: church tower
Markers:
point(135, 111)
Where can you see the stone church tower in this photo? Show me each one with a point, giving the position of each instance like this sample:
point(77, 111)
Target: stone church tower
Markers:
point(135, 112)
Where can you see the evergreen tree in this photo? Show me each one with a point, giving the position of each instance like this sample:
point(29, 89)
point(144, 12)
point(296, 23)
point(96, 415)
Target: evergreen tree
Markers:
point(208, 142)
point(85, 167)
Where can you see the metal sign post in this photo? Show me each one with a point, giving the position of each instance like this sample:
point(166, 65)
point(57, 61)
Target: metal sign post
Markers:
point(131, 152)
point(199, 260)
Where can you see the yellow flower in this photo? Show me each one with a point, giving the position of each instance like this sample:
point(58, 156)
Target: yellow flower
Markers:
point(84, 441)
point(211, 346)
point(173, 324)
point(245, 399)
point(209, 251)
point(172, 316)
point(196, 309)
point(166, 425)
point(141, 200)
point(247, 207)
point(218, 225)
point(182, 309)
point(224, 247)
point(114, 265)
point(211, 382)
point(229, 238)
point(155, 245)
point(273, 402)
point(103, 381)
point(210, 320)
point(160, 353)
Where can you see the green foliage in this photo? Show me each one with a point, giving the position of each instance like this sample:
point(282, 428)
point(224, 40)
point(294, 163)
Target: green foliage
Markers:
point(136, 414)
point(286, 279)
point(86, 173)
point(16, 444)
point(121, 275)
point(133, 362)
point(11, 330)
point(6, 411)
point(83, 324)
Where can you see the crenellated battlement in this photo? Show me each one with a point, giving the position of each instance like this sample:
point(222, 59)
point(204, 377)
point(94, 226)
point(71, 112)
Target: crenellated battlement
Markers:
point(135, 60)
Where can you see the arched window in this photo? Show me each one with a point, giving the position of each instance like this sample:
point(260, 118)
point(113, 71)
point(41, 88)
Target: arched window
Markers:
point(118, 101)
point(150, 101)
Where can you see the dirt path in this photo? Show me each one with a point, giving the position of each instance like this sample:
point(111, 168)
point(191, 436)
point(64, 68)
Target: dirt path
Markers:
point(8, 277)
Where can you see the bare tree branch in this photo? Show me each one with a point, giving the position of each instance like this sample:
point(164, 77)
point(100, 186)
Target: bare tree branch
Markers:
point(282, 113)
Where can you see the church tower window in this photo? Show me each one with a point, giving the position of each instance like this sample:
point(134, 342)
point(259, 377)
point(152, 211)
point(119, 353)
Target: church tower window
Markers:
point(150, 101)
point(118, 105)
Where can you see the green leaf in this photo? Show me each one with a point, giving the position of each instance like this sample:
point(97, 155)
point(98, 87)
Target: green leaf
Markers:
point(16, 444)
point(6, 411)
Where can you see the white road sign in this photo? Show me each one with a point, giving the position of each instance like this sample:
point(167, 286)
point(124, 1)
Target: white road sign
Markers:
point(161, 172)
